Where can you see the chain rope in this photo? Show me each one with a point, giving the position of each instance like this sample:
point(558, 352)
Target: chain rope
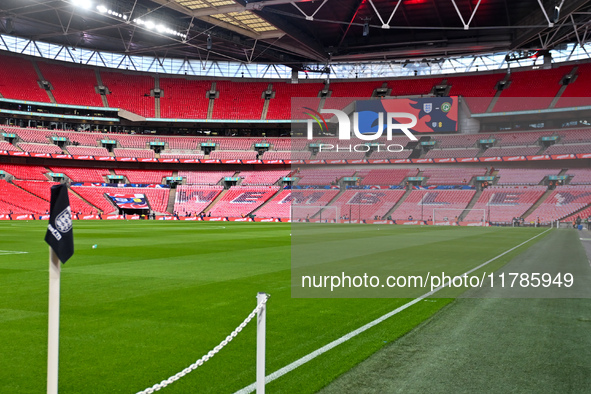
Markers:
point(209, 355)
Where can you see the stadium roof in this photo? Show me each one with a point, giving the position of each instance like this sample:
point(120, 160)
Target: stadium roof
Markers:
point(299, 32)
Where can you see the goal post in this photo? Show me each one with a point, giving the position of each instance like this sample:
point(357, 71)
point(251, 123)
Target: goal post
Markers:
point(315, 213)
point(452, 217)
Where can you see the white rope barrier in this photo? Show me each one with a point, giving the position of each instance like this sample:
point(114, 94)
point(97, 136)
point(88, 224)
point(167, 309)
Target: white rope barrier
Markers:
point(211, 353)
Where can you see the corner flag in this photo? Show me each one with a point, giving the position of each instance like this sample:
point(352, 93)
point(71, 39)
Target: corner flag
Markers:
point(59, 230)
point(60, 238)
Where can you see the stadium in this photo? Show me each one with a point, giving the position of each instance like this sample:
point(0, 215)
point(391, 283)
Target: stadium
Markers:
point(296, 196)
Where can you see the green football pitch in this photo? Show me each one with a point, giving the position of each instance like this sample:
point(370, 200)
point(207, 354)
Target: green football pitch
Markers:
point(153, 297)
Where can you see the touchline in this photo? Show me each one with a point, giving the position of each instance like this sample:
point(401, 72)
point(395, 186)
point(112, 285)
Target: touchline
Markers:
point(345, 125)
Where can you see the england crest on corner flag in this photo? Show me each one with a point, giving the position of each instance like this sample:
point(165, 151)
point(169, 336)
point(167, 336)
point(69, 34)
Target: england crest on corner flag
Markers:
point(59, 230)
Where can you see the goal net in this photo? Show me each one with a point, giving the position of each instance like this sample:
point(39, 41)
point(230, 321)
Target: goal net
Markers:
point(453, 217)
point(314, 213)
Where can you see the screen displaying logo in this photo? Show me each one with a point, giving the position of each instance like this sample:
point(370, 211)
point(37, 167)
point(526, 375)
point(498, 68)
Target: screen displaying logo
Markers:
point(130, 201)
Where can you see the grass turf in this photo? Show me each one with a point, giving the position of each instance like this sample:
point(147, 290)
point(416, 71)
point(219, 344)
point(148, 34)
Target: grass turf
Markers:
point(155, 296)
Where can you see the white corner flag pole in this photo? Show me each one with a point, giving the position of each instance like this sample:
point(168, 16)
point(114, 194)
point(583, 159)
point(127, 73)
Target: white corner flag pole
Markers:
point(261, 328)
point(54, 322)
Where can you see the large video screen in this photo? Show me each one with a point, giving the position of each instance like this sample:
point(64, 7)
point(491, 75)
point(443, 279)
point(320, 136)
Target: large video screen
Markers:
point(434, 114)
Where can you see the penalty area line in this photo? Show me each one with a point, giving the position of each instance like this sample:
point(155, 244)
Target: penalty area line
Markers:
point(288, 368)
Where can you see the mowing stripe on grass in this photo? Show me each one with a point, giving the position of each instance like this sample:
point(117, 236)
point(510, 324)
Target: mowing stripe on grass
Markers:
point(288, 368)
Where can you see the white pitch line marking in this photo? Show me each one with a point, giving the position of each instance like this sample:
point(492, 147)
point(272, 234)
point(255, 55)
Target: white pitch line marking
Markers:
point(4, 252)
point(288, 368)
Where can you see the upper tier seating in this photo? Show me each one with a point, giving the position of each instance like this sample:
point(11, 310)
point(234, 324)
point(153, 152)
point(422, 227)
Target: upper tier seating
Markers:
point(501, 151)
point(184, 98)
point(233, 155)
point(241, 200)
point(19, 80)
point(577, 93)
point(130, 91)
point(511, 176)
point(87, 150)
point(83, 174)
point(257, 178)
point(31, 135)
point(205, 177)
point(563, 201)
point(539, 86)
point(386, 177)
point(145, 176)
point(520, 139)
point(413, 86)
point(581, 176)
point(452, 176)
point(505, 203)
point(239, 100)
point(280, 106)
point(367, 204)
point(72, 84)
point(194, 199)
point(478, 89)
point(40, 148)
point(568, 149)
point(322, 176)
point(36, 173)
point(425, 201)
point(446, 153)
point(143, 153)
point(7, 146)
point(287, 155)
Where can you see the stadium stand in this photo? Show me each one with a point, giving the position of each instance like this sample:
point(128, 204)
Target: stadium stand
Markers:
point(26, 86)
point(568, 149)
point(233, 155)
point(71, 84)
point(83, 174)
point(458, 141)
point(446, 153)
point(404, 154)
point(513, 176)
point(87, 150)
point(413, 86)
point(241, 200)
point(193, 200)
point(280, 106)
point(145, 176)
point(501, 151)
point(40, 148)
point(452, 176)
point(130, 91)
point(308, 202)
point(16, 200)
point(520, 139)
point(239, 100)
point(322, 176)
point(30, 135)
point(340, 155)
point(205, 177)
point(43, 191)
point(234, 143)
point(184, 98)
point(259, 178)
point(367, 204)
point(540, 86)
point(580, 176)
point(277, 207)
point(577, 93)
point(419, 204)
point(479, 89)
point(385, 177)
point(173, 155)
point(505, 203)
point(286, 155)
point(86, 139)
point(26, 172)
point(583, 214)
point(143, 153)
point(7, 146)
point(563, 201)
point(575, 136)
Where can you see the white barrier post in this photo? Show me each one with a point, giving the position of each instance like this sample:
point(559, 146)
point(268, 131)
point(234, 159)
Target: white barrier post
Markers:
point(261, 328)
point(54, 322)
